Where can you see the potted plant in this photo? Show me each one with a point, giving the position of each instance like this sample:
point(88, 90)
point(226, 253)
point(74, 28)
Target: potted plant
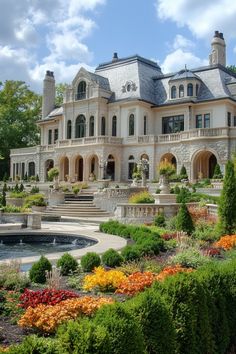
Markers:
point(53, 174)
point(165, 169)
point(39, 204)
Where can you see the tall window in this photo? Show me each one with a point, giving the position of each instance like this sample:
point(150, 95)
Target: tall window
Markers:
point(131, 125)
point(198, 121)
point(55, 135)
point(173, 124)
point(229, 119)
point(197, 89)
point(69, 129)
point(81, 93)
point(114, 126)
point(80, 126)
point(145, 125)
point(207, 120)
point(132, 165)
point(103, 126)
point(49, 137)
point(190, 90)
point(173, 92)
point(91, 126)
point(31, 167)
point(181, 91)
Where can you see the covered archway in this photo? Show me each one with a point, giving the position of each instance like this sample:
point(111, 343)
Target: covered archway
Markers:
point(48, 165)
point(64, 168)
point(110, 170)
point(93, 166)
point(79, 168)
point(204, 163)
point(170, 158)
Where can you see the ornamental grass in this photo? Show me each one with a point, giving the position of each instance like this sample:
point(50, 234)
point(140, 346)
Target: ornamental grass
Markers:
point(103, 280)
point(135, 283)
point(172, 270)
point(47, 318)
point(226, 242)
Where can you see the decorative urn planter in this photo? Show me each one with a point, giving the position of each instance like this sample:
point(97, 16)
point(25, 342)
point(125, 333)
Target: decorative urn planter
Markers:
point(164, 184)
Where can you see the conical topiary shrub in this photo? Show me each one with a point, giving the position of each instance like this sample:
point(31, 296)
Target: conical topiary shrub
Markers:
point(184, 220)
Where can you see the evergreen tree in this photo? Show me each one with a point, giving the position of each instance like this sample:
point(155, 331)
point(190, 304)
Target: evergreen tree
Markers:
point(183, 173)
point(5, 177)
point(25, 177)
point(217, 172)
point(3, 198)
point(227, 203)
point(37, 178)
point(21, 188)
point(184, 220)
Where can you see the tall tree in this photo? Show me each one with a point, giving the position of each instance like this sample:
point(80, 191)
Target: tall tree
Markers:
point(232, 68)
point(227, 209)
point(60, 89)
point(19, 110)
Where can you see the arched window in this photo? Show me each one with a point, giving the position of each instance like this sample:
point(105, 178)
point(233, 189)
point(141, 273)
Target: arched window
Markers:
point(91, 126)
point(114, 126)
point(145, 125)
point(197, 89)
point(132, 166)
point(103, 126)
point(80, 126)
point(181, 91)
point(69, 129)
point(131, 125)
point(81, 93)
point(173, 92)
point(190, 90)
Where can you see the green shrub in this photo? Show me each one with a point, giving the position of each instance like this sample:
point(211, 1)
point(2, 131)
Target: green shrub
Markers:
point(190, 257)
point(15, 194)
point(184, 220)
point(184, 196)
point(151, 313)
point(38, 270)
point(183, 173)
point(89, 261)
point(124, 333)
point(217, 172)
point(67, 264)
point(130, 253)
point(83, 337)
point(11, 277)
point(34, 190)
point(53, 173)
point(141, 197)
point(205, 232)
point(35, 199)
point(33, 344)
point(112, 258)
point(76, 189)
point(12, 209)
point(160, 220)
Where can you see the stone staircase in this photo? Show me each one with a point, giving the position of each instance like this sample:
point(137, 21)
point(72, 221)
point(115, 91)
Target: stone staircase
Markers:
point(77, 206)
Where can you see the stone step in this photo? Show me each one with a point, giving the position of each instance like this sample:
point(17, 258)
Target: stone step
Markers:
point(77, 214)
point(74, 209)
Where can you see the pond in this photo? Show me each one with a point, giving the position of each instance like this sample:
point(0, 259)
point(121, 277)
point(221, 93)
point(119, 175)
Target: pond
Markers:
point(27, 245)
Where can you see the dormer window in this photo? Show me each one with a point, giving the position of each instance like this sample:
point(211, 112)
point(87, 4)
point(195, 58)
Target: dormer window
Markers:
point(181, 91)
point(173, 92)
point(81, 92)
point(190, 90)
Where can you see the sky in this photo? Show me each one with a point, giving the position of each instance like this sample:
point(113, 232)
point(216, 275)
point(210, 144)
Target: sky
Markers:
point(63, 35)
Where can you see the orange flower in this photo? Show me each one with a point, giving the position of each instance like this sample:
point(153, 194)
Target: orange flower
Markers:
point(135, 283)
point(226, 242)
point(172, 270)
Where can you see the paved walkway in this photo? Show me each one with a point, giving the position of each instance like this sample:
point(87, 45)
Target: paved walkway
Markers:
point(86, 229)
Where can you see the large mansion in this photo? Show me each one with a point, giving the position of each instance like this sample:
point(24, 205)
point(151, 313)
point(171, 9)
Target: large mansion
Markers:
point(128, 110)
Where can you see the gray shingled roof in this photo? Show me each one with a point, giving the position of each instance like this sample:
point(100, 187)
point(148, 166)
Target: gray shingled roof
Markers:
point(183, 75)
point(100, 80)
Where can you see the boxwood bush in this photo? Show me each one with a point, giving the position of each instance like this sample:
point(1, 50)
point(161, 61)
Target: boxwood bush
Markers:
point(38, 270)
point(89, 261)
point(67, 264)
point(112, 258)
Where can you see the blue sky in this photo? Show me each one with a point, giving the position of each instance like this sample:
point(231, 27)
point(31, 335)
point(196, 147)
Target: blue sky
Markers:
point(63, 35)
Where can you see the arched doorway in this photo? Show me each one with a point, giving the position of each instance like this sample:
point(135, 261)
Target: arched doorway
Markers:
point(48, 165)
point(31, 169)
point(110, 171)
point(93, 166)
point(64, 168)
point(170, 158)
point(204, 165)
point(132, 166)
point(79, 168)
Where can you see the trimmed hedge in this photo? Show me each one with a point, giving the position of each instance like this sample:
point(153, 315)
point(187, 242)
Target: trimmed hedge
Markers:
point(89, 261)
point(112, 258)
point(67, 263)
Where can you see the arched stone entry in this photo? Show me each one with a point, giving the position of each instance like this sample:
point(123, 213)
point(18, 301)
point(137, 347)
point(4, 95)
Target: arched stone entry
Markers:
point(93, 165)
point(79, 168)
point(48, 165)
point(204, 164)
point(170, 158)
point(110, 170)
point(145, 157)
point(64, 168)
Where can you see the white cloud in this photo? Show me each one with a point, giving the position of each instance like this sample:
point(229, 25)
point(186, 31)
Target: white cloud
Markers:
point(56, 28)
point(182, 42)
point(202, 16)
point(178, 59)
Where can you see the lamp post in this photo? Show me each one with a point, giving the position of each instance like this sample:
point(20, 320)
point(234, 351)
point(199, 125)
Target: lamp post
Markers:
point(143, 166)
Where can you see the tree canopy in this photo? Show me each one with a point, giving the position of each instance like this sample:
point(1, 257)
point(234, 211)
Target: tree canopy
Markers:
point(60, 89)
point(20, 108)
